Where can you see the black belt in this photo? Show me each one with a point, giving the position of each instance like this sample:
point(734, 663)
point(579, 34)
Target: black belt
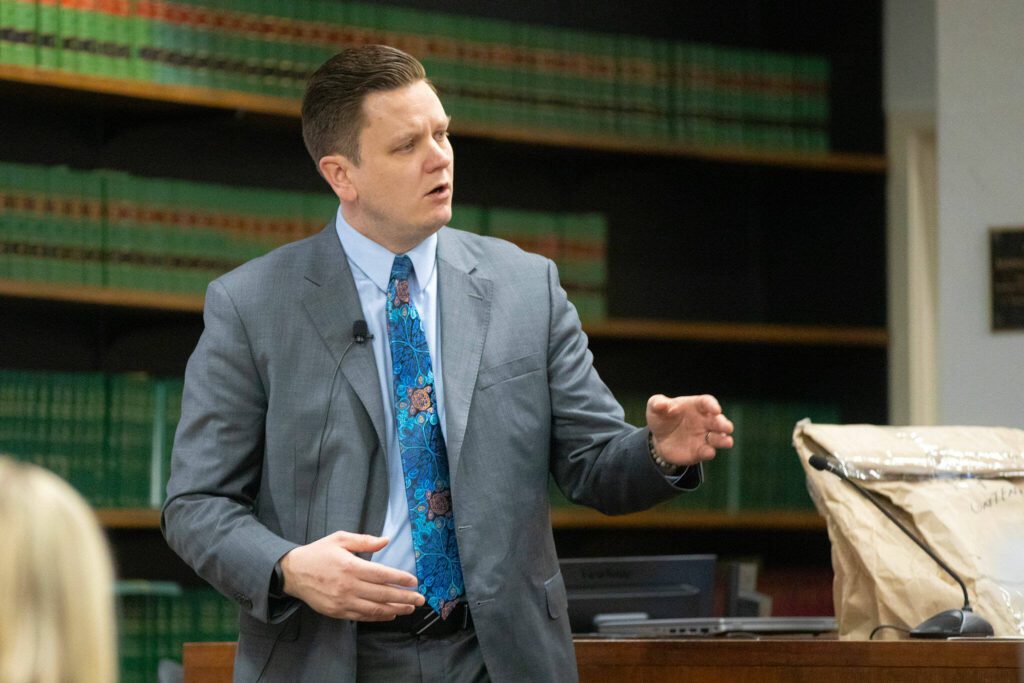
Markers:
point(424, 621)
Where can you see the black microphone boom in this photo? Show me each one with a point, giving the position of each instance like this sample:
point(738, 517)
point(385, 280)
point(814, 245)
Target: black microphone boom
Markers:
point(954, 622)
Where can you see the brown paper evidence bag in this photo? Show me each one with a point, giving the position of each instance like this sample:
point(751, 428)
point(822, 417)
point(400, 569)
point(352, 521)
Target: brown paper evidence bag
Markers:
point(960, 489)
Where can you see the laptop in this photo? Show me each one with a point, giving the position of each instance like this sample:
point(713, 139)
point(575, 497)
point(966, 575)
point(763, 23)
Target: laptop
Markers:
point(639, 625)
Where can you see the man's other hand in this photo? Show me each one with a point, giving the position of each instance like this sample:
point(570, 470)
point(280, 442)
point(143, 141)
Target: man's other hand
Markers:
point(330, 578)
point(687, 429)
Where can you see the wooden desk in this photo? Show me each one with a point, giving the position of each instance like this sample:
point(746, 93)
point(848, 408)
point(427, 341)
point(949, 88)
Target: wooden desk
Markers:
point(750, 661)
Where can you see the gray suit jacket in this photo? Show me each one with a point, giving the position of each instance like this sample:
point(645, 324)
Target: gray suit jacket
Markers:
point(259, 467)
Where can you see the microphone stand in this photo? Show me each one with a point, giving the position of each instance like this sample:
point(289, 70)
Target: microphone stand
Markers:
point(953, 622)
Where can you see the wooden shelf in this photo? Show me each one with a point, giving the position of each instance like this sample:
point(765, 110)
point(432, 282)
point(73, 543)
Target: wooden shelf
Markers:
point(102, 296)
point(290, 108)
point(620, 328)
point(739, 333)
point(129, 518)
point(578, 518)
point(769, 520)
point(143, 90)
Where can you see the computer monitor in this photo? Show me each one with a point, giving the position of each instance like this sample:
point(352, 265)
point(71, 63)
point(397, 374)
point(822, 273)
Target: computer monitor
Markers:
point(660, 586)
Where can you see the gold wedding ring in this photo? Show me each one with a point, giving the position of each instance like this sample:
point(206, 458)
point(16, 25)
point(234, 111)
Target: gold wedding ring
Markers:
point(707, 437)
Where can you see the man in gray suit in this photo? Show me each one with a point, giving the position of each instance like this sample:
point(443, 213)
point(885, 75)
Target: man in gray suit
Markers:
point(294, 486)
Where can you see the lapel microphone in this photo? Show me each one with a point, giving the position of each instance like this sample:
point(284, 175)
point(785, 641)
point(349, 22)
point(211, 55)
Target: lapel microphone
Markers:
point(947, 624)
point(360, 332)
point(360, 335)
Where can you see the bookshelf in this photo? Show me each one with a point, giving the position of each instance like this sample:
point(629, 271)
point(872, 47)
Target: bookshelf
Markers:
point(767, 267)
point(288, 108)
point(613, 328)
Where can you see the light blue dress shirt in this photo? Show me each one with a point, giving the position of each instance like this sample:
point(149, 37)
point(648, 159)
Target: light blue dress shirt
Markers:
point(371, 269)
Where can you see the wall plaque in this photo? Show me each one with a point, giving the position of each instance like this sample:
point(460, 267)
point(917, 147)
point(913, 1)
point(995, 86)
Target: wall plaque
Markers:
point(1007, 261)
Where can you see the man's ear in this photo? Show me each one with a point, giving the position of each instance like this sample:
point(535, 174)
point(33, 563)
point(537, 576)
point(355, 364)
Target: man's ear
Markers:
point(335, 169)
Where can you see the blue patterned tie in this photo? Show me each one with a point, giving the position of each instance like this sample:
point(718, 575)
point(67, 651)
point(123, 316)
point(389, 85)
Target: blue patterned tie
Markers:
point(424, 456)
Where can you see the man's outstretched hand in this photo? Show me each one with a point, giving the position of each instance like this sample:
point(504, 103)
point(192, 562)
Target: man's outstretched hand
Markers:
point(687, 429)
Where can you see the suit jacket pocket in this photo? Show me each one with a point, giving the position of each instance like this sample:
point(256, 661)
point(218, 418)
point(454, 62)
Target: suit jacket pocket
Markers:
point(554, 591)
point(503, 372)
point(285, 631)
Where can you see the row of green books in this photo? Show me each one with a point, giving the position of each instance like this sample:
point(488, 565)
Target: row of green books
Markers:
point(489, 71)
point(111, 229)
point(760, 472)
point(109, 435)
point(156, 618)
point(576, 242)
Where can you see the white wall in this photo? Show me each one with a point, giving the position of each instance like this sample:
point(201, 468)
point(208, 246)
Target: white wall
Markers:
point(980, 144)
point(954, 100)
point(910, 100)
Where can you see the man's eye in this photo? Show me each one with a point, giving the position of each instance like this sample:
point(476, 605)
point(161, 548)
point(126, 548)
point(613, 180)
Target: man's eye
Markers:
point(407, 146)
point(441, 134)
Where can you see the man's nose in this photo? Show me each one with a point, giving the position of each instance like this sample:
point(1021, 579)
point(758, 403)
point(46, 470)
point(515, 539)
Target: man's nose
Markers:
point(440, 155)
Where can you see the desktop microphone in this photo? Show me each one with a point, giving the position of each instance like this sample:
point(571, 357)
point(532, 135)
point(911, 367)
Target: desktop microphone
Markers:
point(360, 335)
point(953, 622)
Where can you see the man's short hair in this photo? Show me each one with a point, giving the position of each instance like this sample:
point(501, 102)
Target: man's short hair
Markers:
point(332, 108)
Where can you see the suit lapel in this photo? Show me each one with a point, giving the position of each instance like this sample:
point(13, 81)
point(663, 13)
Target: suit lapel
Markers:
point(465, 308)
point(333, 305)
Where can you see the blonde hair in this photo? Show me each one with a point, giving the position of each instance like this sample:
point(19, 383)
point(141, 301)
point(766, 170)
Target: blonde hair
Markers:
point(57, 619)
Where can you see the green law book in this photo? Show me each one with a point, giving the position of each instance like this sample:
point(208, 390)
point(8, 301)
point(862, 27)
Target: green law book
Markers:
point(265, 42)
point(6, 412)
point(131, 622)
point(583, 248)
point(250, 50)
point(680, 93)
point(155, 271)
point(33, 225)
point(70, 53)
point(533, 231)
point(165, 251)
point(104, 40)
point(91, 185)
point(125, 200)
point(121, 32)
point(82, 465)
point(113, 440)
point(728, 95)
point(161, 33)
point(158, 443)
point(60, 447)
point(142, 63)
point(204, 44)
point(634, 87)
point(48, 34)
point(89, 58)
point(62, 224)
point(213, 42)
point(6, 27)
point(7, 222)
point(701, 98)
point(143, 416)
point(21, 48)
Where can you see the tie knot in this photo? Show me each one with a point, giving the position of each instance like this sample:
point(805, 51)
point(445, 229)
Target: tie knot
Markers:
point(401, 268)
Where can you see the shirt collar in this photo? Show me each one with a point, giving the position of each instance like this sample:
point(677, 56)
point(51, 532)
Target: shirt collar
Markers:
point(375, 261)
